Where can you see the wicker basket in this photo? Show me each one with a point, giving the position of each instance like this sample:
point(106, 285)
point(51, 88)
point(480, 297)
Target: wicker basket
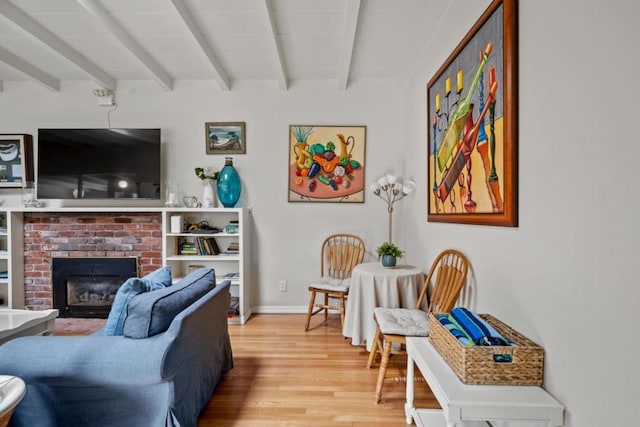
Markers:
point(478, 365)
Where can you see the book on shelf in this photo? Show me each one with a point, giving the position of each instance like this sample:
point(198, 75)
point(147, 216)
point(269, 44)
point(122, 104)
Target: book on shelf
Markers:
point(233, 248)
point(186, 247)
point(208, 246)
point(198, 246)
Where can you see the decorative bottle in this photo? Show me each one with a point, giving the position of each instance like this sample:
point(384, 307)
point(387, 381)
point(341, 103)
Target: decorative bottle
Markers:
point(458, 118)
point(228, 184)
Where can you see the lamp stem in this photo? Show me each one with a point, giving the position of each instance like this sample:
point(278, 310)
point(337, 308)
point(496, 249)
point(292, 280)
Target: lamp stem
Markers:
point(390, 209)
point(390, 195)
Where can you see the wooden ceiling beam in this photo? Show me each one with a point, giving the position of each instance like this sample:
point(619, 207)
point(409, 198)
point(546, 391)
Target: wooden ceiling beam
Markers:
point(35, 29)
point(275, 43)
point(352, 13)
point(186, 15)
point(133, 46)
point(35, 73)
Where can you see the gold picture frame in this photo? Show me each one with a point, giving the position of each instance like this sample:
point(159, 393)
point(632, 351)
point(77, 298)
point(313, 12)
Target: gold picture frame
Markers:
point(472, 157)
point(225, 138)
point(326, 163)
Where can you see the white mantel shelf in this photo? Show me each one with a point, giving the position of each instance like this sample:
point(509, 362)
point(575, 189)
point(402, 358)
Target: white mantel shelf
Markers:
point(82, 209)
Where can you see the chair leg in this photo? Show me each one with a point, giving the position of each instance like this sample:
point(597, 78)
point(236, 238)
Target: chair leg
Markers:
point(383, 370)
point(326, 303)
point(313, 299)
point(374, 348)
point(342, 312)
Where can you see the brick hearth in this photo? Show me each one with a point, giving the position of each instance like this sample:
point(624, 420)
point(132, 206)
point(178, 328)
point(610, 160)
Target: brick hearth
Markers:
point(64, 234)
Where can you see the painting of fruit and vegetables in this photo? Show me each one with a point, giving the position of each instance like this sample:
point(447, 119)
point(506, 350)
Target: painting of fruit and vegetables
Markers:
point(326, 163)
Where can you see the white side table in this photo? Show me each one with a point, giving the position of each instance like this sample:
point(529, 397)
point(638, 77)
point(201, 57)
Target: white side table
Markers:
point(22, 323)
point(462, 402)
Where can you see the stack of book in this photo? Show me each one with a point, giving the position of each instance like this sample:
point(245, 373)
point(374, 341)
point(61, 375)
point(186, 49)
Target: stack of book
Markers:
point(233, 248)
point(187, 248)
point(234, 278)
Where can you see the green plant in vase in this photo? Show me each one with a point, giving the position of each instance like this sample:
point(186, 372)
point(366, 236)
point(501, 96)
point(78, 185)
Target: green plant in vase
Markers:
point(388, 253)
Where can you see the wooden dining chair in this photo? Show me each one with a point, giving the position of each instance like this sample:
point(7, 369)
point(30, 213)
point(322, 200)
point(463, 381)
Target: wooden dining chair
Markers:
point(393, 325)
point(339, 254)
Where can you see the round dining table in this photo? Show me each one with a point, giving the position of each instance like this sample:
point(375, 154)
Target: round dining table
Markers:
point(373, 285)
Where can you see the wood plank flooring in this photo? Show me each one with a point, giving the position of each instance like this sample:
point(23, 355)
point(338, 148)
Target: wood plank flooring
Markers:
point(284, 376)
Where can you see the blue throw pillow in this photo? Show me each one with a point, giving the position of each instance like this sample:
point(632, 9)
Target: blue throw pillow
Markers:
point(160, 278)
point(151, 313)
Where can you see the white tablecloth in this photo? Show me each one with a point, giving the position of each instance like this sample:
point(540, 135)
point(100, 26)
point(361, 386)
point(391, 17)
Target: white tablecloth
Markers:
point(373, 285)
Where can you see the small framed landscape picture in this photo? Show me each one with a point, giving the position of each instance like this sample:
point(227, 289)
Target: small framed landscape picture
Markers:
point(225, 138)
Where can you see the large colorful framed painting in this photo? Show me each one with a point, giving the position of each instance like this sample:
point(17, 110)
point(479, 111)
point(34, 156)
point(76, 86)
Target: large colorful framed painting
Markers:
point(326, 163)
point(472, 125)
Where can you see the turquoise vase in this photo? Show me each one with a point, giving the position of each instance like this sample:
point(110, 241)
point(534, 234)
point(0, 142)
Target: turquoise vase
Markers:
point(388, 261)
point(228, 184)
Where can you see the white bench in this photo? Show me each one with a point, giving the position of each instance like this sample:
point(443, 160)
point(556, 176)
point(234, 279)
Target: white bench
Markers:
point(472, 404)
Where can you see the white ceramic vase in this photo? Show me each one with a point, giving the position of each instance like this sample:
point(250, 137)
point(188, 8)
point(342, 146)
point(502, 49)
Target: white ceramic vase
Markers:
point(208, 194)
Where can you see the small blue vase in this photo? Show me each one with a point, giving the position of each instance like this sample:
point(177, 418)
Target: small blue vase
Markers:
point(228, 184)
point(388, 261)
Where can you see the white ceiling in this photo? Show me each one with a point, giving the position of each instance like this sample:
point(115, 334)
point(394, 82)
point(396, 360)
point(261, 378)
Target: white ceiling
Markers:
point(104, 41)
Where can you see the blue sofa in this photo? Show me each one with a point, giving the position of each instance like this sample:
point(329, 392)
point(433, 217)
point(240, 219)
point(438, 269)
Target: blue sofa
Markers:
point(164, 379)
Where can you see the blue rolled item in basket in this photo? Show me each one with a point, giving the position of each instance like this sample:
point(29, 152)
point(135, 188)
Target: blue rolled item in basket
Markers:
point(455, 329)
point(480, 331)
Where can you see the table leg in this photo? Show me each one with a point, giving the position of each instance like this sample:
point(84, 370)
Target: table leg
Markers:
point(408, 406)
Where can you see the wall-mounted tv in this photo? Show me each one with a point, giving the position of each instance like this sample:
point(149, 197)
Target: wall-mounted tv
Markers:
point(98, 164)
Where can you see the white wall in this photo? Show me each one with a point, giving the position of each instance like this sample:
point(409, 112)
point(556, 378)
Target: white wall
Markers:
point(566, 277)
point(287, 236)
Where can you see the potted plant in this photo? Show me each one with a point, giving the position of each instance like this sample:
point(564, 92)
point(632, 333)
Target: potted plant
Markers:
point(388, 253)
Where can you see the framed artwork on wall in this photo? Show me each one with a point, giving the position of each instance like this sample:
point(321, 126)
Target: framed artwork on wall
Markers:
point(326, 163)
point(472, 103)
point(225, 138)
point(16, 160)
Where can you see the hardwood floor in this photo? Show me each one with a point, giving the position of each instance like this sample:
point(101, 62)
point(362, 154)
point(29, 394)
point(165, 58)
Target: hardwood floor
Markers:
point(284, 376)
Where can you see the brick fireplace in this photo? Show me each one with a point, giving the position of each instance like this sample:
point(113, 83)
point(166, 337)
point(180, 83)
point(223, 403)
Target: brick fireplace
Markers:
point(50, 235)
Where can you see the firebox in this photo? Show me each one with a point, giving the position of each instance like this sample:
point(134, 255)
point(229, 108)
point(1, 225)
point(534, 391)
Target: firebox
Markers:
point(86, 287)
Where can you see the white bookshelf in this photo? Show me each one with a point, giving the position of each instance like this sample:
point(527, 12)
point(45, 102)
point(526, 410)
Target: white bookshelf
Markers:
point(174, 252)
point(11, 263)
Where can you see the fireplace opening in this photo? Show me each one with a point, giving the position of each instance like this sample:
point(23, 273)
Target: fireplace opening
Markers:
point(86, 287)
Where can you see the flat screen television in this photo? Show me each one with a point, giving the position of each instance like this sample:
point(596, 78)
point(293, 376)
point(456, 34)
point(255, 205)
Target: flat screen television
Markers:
point(98, 164)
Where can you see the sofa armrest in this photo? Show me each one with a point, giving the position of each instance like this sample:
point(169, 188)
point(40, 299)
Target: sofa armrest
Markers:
point(108, 360)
